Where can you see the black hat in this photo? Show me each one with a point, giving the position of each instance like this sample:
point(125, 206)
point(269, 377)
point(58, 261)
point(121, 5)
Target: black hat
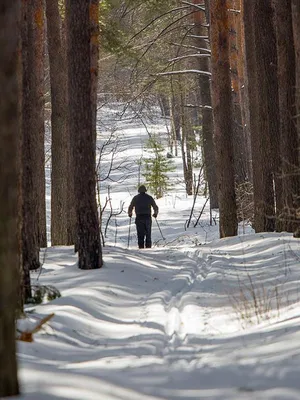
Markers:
point(142, 189)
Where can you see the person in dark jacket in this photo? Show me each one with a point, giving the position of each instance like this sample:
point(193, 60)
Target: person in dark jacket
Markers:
point(142, 204)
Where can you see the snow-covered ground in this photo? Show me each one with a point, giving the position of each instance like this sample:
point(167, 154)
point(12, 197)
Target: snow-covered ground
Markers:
point(195, 317)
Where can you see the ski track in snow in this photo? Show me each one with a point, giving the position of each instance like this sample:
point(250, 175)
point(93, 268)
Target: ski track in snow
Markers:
point(162, 311)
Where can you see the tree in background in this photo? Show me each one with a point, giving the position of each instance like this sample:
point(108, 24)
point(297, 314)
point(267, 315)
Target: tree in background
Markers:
point(94, 46)
point(157, 167)
point(9, 193)
point(31, 112)
point(37, 26)
point(204, 93)
point(263, 101)
point(289, 142)
point(222, 111)
point(60, 141)
point(35, 107)
point(296, 32)
point(241, 151)
point(81, 130)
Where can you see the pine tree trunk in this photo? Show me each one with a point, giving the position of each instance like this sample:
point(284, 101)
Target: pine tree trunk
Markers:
point(241, 156)
point(60, 142)
point(243, 86)
point(222, 111)
point(81, 128)
point(262, 88)
point(94, 22)
point(9, 194)
point(206, 110)
point(185, 147)
point(37, 32)
point(189, 162)
point(71, 226)
point(296, 33)
point(175, 121)
point(21, 275)
point(30, 129)
point(289, 144)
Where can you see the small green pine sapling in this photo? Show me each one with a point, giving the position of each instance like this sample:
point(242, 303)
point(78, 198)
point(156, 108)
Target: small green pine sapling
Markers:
point(156, 168)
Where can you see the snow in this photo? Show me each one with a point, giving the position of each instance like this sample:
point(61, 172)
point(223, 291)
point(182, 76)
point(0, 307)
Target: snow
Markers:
point(194, 317)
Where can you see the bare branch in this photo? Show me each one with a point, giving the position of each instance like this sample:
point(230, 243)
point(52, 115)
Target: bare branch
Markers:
point(189, 56)
point(154, 20)
point(198, 37)
point(161, 33)
point(189, 46)
point(206, 107)
point(198, 6)
point(186, 71)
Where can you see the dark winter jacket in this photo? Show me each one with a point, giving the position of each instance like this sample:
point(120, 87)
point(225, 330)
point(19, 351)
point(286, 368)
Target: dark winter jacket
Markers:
point(142, 204)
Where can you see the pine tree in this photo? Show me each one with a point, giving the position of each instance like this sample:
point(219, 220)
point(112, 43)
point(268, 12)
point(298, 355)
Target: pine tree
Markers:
point(9, 194)
point(60, 142)
point(81, 130)
point(156, 168)
point(222, 111)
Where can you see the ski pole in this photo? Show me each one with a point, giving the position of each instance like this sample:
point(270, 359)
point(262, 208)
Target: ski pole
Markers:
point(129, 232)
point(160, 229)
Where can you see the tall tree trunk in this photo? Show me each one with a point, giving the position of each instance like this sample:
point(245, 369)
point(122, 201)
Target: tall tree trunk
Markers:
point(185, 146)
point(287, 111)
point(9, 194)
point(222, 111)
point(243, 88)
point(37, 32)
point(296, 32)
point(263, 101)
point(240, 143)
point(81, 128)
point(71, 226)
point(60, 142)
point(175, 121)
point(164, 105)
point(23, 280)
point(94, 43)
point(206, 110)
point(30, 176)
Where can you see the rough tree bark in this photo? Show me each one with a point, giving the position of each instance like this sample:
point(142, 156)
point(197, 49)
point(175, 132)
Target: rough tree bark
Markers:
point(222, 111)
point(23, 276)
point(263, 102)
point(185, 141)
point(37, 36)
point(60, 144)
point(241, 155)
point(94, 43)
point(30, 176)
point(296, 32)
point(175, 122)
point(204, 93)
point(9, 193)
point(243, 86)
point(81, 128)
point(289, 144)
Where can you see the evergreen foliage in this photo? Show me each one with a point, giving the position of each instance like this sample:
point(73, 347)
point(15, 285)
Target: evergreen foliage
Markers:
point(157, 167)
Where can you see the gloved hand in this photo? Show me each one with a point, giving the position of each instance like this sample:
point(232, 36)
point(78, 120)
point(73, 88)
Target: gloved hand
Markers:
point(130, 215)
point(154, 215)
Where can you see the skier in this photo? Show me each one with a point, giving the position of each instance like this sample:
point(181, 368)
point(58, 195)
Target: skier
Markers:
point(142, 204)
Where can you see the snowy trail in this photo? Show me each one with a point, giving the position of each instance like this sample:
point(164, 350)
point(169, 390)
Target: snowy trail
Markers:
point(159, 324)
point(97, 335)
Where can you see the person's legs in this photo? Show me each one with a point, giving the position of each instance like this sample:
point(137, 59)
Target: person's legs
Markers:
point(141, 231)
point(148, 224)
